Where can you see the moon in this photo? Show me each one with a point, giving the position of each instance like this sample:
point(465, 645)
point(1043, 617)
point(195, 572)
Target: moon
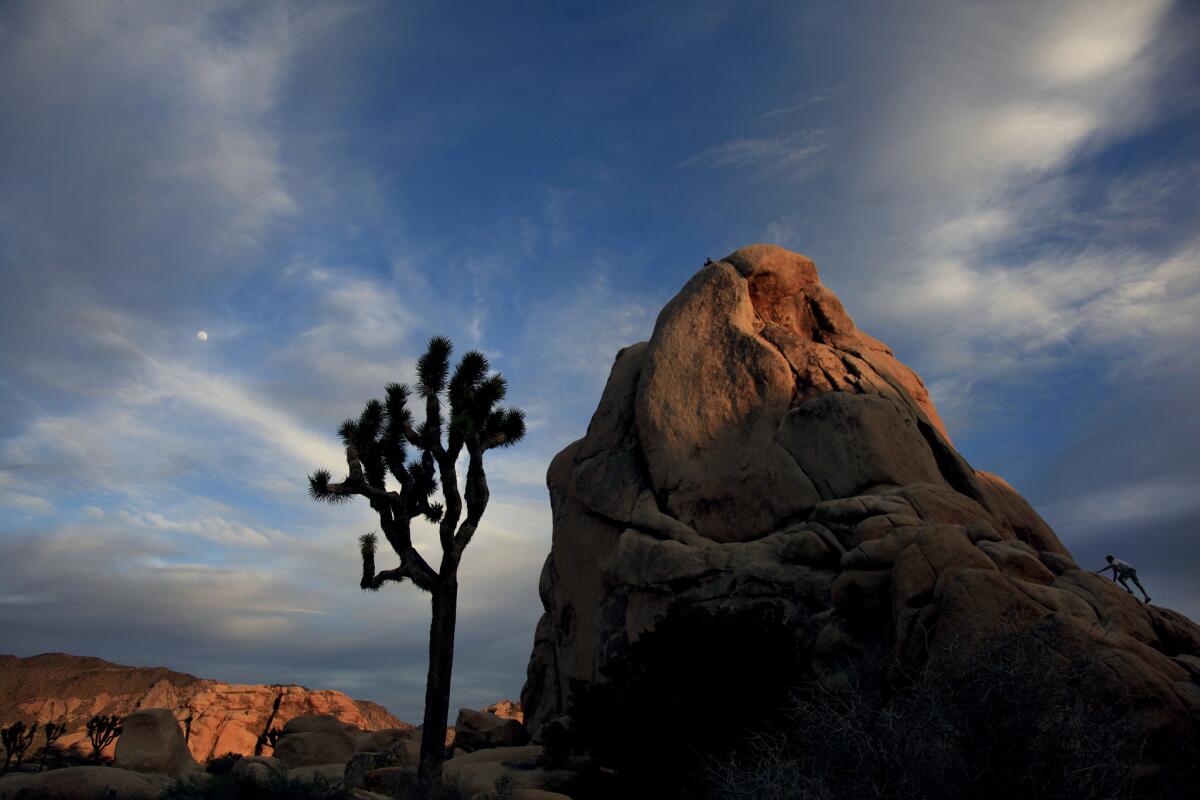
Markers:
point(202, 335)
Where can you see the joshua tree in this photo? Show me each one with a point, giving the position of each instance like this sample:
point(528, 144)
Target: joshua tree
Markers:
point(269, 736)
point(16, 740)
point(377, 445)
point(102, 730)
point(52, 731)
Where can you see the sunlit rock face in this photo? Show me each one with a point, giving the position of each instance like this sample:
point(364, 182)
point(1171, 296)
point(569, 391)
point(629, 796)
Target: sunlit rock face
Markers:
point(224, 717)
point(762, 450)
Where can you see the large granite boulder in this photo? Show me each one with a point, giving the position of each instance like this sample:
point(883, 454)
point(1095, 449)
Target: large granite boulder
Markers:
point(152, 741)
point(762, 451)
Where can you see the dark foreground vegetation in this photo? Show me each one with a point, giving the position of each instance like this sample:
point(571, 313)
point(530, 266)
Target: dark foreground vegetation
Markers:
point(707, 707)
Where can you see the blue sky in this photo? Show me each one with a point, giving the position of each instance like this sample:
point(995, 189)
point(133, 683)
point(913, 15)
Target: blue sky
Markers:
point(1007, 193)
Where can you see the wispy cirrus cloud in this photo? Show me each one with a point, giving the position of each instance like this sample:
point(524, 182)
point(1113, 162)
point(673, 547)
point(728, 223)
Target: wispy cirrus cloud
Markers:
point(792, 151)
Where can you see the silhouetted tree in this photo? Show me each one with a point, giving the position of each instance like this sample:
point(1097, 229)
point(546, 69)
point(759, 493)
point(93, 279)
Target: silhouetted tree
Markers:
point(16, 740)
point(377, 445)
point(52, 731)
point(102, 730)
point(269, 736)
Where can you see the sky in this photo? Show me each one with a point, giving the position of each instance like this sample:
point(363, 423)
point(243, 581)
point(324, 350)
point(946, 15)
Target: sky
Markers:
point(1006, 193)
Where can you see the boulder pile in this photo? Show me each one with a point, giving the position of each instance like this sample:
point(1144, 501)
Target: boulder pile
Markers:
point(151, 755)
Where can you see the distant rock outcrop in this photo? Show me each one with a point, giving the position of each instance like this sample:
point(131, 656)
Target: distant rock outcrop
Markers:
point(761, 450)
point(224, 717)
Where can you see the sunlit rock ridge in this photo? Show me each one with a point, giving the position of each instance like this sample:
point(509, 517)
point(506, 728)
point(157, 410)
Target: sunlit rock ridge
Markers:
point(225, 717)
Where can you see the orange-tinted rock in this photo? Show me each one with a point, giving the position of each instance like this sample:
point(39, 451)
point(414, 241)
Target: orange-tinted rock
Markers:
point(151, 741)
point(225, 718)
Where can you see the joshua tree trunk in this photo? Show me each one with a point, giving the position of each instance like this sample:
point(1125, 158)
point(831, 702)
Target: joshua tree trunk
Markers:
point(437, 685)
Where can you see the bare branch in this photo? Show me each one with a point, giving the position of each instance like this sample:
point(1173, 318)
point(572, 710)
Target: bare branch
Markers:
point(477, 495)
point(399, 574)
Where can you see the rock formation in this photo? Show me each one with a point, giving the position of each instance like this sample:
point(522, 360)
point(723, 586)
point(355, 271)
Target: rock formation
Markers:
point(480, 730)
point(760, 449)
point(225, 718)
point(151, 741)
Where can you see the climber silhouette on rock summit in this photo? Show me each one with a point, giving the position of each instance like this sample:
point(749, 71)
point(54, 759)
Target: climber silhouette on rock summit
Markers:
point(1122, 572)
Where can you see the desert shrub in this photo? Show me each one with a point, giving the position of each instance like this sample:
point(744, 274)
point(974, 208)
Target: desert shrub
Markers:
point(219, 765)
point(695, 686)
point(1016, 722)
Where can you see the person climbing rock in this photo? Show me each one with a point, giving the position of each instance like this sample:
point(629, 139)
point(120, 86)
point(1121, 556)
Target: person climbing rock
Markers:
point(1122, 572)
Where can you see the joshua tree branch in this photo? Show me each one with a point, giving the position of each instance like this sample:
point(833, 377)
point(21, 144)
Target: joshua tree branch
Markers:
point(400, 538)
point(453, 500)
point(477, 495)
point(412, 567)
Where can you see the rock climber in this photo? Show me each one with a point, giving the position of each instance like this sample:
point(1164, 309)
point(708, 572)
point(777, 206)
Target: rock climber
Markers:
point(1123, 572)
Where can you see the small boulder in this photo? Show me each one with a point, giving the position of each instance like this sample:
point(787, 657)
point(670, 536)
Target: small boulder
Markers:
point(259, 770)
point(153, 742)
point(330, 774)
point(363, 763)
point(478, 772)
point(506, 709)
point(390, 781)
point(383, 740)
point(312, 741)
point(479, 730)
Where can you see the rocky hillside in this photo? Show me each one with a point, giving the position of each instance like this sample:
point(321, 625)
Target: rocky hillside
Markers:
point(763, 451)
point(225, 717)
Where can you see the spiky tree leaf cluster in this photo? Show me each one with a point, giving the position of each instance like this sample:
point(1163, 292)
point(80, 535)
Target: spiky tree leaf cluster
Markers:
point(379, 443)
point(398, 464)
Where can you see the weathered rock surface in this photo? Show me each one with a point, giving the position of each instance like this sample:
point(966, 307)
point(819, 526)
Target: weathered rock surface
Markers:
point(315, 740)
point(319, 740)
point(761, 450)
point(259, 770)
point(506, 709)
point(479, 730)
point(476, 773)
point(82, 783)
point(363, 763)
point(152, 741)
point(225, 718)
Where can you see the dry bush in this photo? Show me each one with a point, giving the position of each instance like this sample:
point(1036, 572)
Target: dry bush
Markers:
point(1018, 721)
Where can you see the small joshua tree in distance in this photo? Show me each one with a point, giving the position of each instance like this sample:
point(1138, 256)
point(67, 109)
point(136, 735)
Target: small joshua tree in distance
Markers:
point(377, 446)
point(102, 730)
point(52, 732)
point(16, 739)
